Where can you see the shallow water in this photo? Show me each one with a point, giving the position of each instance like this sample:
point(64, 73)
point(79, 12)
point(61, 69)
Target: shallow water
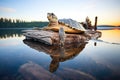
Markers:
point(21, 59)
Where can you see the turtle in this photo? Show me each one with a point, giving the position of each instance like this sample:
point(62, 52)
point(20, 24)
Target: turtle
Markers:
point(69, 25)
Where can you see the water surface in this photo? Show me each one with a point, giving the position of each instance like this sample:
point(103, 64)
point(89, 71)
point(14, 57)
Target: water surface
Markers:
point(21, 59)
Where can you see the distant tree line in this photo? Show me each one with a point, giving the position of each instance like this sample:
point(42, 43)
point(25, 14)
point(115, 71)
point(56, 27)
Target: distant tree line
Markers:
point(12, 23)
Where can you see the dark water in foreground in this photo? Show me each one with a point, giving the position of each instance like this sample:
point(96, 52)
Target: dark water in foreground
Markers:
point(26, 60)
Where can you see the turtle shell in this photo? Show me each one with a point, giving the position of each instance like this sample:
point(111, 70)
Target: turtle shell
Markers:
point(72, 23)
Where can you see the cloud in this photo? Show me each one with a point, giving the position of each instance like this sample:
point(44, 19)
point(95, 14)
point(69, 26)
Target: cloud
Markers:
point(7, 9)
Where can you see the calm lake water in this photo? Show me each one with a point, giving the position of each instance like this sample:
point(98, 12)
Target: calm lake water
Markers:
point(27, 60)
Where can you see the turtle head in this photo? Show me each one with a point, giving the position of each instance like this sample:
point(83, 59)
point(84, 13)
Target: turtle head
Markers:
point(52, 17)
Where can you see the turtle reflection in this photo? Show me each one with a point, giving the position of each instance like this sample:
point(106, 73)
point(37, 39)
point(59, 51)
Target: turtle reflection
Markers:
point(57, 53)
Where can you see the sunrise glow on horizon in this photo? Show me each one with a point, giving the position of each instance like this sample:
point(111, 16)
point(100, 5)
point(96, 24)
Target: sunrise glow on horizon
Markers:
point(108, 11)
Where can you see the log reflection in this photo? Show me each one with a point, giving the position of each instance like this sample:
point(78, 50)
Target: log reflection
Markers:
point(57, 53)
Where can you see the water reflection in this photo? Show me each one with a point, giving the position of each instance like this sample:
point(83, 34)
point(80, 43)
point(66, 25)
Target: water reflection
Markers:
point(98, 60)
point(7, 33)
point(57, 53)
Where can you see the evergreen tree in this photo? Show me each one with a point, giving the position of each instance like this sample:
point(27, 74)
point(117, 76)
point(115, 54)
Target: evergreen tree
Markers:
point(1, 20)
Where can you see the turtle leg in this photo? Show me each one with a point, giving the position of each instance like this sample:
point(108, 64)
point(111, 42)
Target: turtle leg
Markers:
point(61, 36)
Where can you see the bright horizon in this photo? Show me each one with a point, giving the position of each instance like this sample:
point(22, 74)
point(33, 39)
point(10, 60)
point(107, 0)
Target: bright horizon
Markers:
point(108, 11)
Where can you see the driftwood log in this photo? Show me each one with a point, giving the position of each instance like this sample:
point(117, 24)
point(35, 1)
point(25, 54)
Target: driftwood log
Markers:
point(75, 44)
point(52, 38)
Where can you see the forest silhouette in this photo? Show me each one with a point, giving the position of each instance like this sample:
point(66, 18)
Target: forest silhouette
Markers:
point(16, 23)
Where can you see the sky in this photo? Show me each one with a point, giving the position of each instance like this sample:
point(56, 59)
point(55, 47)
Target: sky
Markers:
point(108, 11)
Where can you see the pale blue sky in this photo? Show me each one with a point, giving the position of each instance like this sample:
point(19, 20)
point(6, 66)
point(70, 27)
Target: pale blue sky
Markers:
point(108, 11)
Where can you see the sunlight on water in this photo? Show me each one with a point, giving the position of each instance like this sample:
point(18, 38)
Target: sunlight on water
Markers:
point(112, 36)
